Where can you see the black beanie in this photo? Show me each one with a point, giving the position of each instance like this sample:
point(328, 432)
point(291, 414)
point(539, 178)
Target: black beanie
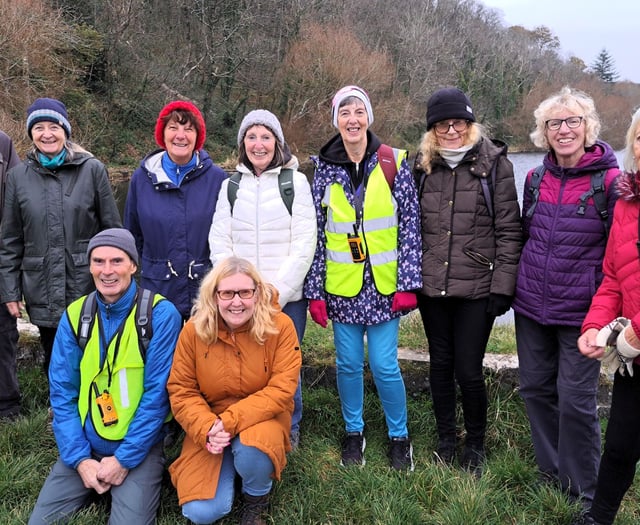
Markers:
point(448, 103)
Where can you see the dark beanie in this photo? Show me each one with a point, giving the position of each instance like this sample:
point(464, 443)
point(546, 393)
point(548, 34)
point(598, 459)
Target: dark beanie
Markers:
point(117, 238)
point(48, 110)
point(180, 105)
point(448, 103)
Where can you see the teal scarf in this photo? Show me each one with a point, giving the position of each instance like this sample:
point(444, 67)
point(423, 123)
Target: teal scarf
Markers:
point(52, 163)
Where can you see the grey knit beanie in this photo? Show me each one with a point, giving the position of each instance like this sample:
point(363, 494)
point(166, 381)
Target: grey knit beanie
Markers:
point(261, 117)
point(118, 238)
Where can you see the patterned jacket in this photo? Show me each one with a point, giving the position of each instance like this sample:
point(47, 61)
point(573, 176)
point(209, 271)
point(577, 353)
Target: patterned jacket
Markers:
point(369, 306)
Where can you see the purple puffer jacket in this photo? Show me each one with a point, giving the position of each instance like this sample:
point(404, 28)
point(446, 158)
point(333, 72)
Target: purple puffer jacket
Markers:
point(561, 262)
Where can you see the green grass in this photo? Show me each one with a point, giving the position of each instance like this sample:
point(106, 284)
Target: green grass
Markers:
point(315, 490)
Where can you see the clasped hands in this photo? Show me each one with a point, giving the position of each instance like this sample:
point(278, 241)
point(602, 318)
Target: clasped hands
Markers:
point(101, 475)
point(217, 438)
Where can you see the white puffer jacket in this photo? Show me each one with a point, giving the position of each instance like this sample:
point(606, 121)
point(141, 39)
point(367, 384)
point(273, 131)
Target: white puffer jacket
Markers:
point(262, 231)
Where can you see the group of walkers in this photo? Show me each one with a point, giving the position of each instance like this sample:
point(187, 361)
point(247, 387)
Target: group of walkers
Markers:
point(227, 266)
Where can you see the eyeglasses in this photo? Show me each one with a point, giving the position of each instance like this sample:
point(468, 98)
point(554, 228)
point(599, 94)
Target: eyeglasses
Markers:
point(555, 124)
point(228, 295)
point(442, 128)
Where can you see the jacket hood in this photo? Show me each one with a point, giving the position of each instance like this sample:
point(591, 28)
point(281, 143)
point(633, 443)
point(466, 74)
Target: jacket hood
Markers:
point(334, 151)
point(628, 186)
point(152, 165)
point(600, 156)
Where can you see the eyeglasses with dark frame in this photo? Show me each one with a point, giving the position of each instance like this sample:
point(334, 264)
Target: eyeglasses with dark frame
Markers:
point(228, 295)
point(442, 128)
point(555, 124)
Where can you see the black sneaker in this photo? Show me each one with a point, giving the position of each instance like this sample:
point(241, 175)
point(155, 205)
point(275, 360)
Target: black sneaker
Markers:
point(445, 453)
point(401, 454)
point(353, 449)
point(585, 519)
point(472, 459)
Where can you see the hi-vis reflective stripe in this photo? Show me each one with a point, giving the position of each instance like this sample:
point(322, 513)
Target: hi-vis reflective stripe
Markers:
point(381, 223)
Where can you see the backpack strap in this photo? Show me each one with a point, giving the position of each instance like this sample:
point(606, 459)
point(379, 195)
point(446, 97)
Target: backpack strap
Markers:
point(232, 188)
point(534, 188)
point(285, 184)
point(87, 318)
point(488, 188)
point(387, 161)
point(144, 312)
point(599, 193)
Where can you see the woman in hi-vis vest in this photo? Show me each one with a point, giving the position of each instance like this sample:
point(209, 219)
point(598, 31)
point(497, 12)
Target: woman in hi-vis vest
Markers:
point(366, 267)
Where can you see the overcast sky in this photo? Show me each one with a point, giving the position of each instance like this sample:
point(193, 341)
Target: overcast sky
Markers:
point(583, 28)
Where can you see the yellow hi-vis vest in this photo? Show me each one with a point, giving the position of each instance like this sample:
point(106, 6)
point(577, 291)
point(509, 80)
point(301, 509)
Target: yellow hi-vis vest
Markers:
point(378, 231)
point(127, 373)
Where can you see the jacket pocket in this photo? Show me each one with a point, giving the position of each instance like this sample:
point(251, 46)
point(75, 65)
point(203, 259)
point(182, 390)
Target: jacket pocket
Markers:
point(34, 284)
point(479, 258)
point(155, 270)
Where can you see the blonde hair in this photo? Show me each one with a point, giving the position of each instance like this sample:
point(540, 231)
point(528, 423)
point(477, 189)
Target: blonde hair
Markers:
point(574, 101)
point(429, 146)
point(205, 313)
point(629, 162)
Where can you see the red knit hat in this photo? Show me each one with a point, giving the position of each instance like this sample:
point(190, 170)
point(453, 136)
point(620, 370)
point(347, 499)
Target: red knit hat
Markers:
point(180, 105)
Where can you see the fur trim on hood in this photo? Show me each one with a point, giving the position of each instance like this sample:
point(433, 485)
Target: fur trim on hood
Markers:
point(628, 186)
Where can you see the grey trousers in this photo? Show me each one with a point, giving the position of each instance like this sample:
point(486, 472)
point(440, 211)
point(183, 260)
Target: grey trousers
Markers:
point(136, 500)
point(559, 388)
point(9, 390)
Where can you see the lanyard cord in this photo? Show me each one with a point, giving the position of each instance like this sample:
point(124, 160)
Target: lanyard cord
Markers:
point(104, 345)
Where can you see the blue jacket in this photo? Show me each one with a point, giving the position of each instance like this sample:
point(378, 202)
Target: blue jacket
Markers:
point(369, 306)
point(171, 226)
point(561, 262)
point(76, 443)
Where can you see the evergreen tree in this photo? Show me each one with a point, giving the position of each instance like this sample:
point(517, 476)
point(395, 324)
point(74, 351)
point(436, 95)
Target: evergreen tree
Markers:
point(604, 67)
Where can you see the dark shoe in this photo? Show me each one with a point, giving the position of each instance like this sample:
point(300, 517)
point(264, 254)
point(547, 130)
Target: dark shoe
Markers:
point(401, 454)
point(11, 417)
point(174, 431)
point(472, 459)
point(294, 439)
point(353, 449)
point(585, 519)
point(445, 453)
point(253, 509)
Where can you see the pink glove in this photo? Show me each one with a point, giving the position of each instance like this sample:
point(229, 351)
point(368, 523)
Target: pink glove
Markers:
point(404, 301)
point(318, 311)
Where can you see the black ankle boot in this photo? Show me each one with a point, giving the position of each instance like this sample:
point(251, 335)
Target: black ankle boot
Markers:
point(253, 510)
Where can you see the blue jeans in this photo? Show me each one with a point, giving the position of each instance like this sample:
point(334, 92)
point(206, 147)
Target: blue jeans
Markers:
point(252, 465)
point(382, 345)
point(297, 311)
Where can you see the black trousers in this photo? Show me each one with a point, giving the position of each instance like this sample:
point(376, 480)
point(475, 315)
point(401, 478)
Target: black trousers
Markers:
point(621, 448)
point(9, 390)
point(457, 330)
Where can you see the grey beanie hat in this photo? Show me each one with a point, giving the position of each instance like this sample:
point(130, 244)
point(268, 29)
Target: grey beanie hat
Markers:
point(118, 238)
point(261, 117)
point(448, 103)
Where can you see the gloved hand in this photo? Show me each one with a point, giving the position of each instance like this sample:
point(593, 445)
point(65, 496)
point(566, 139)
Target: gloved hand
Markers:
point(318, 311)
point(498, 304)
point(619, 354)
point(404, 301)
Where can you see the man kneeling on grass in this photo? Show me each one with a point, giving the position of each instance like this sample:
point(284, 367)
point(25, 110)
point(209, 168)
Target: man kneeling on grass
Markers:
point(108, 392)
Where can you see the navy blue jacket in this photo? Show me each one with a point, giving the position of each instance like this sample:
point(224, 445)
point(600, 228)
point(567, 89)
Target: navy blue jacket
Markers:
point(171, 226)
